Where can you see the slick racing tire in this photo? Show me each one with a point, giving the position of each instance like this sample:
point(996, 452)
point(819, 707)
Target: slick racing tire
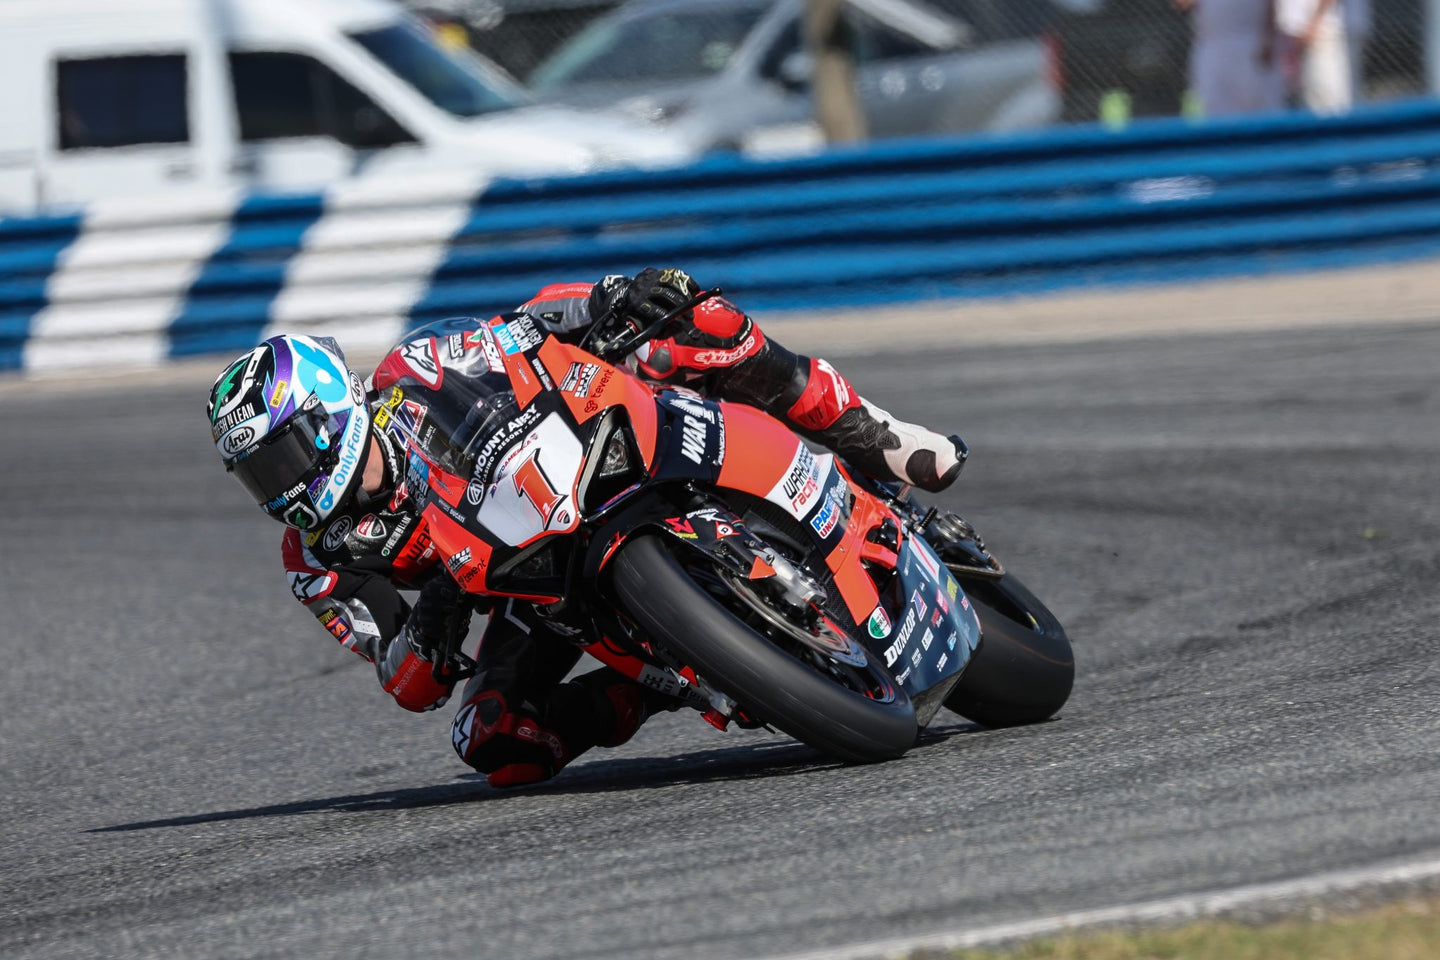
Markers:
point(769, 683)
point(1024, 668)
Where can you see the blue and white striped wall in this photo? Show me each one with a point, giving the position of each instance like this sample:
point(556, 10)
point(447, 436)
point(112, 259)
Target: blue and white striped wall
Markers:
point(141, 281)
point(145, 280)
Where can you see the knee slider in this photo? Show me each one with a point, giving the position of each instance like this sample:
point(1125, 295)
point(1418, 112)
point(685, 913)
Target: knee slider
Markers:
point(488, 735)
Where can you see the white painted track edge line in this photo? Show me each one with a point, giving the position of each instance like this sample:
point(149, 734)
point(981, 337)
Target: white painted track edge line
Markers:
point(1176, 908)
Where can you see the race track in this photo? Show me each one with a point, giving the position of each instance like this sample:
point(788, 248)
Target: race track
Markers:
point(1241, 532)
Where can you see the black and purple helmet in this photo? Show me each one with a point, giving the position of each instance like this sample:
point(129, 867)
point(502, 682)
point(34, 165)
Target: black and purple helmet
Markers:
point(290, 421)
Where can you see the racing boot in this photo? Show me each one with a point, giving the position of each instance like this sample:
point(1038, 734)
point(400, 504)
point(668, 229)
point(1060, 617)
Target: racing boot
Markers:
point(880, 444)
point(812, 397)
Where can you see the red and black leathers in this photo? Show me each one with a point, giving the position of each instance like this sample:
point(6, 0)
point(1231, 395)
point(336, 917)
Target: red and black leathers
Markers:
point(520, 722)
point(720, 350)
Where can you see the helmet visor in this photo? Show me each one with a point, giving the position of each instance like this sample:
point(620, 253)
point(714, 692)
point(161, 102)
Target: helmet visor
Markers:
point(290, 457)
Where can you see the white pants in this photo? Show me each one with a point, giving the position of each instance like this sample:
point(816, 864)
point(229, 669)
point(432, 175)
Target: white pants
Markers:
point(1330, 71)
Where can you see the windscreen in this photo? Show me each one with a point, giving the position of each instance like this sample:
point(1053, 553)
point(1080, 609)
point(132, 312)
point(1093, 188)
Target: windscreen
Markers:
point(672, 45)
point(452, 426)
point(460, 85)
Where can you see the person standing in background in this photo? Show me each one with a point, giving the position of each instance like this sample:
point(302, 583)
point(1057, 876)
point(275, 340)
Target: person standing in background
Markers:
point(1323, 50)
point(1233, 68)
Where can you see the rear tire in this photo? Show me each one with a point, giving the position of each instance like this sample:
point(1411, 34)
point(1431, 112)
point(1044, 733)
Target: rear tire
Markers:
point(765, 680)
point(1025, 667)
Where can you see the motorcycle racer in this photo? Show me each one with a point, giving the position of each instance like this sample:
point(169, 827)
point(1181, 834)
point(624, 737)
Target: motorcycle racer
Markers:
point(318, 453)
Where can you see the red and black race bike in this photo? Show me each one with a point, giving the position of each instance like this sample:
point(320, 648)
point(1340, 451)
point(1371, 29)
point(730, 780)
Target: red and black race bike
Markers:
point(708, 553)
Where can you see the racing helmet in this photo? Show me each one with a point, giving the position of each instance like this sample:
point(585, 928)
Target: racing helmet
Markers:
point(290, 422)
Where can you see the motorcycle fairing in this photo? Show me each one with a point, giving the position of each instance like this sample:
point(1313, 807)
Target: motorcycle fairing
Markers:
point(587, 385)
point(523, 491)
point(515, 337)
point(533, 489)
point(692, 438)
point(935, 632)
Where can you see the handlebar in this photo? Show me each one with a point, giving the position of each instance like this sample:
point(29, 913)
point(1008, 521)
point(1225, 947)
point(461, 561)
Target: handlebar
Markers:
point(625, 340)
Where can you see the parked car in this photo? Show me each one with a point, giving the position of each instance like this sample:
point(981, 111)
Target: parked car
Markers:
point(517, 34)
point(106, 99)
point(733, 74)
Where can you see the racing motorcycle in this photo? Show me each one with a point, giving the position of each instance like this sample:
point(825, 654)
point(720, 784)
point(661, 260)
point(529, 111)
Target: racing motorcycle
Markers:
point(703, 550)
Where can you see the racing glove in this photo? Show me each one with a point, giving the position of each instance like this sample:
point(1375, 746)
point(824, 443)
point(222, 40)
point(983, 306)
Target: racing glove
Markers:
point(711, 336)
point(423, 664)
point(410, 679)
point(643, 299)
point(439, 620)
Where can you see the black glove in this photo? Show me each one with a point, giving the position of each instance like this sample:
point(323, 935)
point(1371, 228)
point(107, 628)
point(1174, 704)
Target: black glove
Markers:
point(643, 299)
point(437, 627)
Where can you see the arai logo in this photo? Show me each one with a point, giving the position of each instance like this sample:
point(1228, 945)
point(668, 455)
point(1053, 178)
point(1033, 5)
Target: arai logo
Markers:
point(879, 625)
point(238, 440)
point(337, 533)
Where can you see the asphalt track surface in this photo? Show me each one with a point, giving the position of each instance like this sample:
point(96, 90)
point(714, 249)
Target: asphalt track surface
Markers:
point(1241, 532)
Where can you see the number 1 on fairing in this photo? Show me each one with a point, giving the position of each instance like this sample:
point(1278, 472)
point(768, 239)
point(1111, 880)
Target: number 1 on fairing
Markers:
point(532, 484)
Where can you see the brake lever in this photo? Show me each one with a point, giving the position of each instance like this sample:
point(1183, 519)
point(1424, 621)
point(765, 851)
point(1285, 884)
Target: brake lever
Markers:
point(626, 343)
point(453, 668)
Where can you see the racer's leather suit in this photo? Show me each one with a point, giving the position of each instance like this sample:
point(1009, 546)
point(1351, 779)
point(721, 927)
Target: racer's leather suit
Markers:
point(519, 723)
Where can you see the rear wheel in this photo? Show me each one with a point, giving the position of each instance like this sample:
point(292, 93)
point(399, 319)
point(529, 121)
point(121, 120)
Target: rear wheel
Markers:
point(851, 711)
point(1024, 668)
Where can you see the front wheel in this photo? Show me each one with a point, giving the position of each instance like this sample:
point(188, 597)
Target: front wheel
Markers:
point(1024, 668)
point(857, 714)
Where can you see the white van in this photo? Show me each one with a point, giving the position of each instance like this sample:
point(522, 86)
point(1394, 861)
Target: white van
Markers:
point(103, 98)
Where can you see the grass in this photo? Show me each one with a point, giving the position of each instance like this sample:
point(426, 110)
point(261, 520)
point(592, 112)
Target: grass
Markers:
point(1409, 930)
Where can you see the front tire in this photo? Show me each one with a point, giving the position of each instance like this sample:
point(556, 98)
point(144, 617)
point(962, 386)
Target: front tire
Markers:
point(765, 680)
point(1025, 666)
